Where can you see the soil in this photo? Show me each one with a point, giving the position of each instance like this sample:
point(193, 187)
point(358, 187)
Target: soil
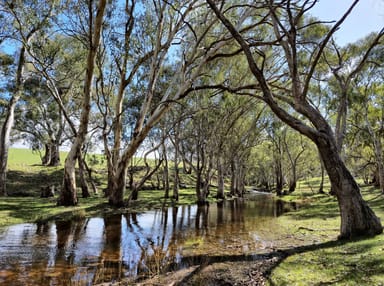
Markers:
point(227, 273)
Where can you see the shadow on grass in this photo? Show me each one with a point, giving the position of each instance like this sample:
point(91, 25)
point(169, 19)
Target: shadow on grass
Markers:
point(33, 210)
point(267, 262)
point(22, 183)
point(325, 207)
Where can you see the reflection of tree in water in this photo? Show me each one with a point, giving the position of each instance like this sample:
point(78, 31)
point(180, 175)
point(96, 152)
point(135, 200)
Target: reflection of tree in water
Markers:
point(137, 245)
point(110, 261)
point(43, 227)
point(68, 233)
point(160, 250)
point(283, 207)
point(201, 220)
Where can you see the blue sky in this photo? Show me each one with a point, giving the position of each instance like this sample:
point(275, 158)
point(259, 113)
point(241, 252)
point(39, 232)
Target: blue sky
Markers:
point(367, 16)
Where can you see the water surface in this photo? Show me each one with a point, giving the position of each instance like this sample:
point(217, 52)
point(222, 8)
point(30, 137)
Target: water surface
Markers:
point(106, 249)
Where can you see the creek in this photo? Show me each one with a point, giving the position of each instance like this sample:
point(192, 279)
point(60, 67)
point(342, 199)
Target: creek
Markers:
point(88, 251)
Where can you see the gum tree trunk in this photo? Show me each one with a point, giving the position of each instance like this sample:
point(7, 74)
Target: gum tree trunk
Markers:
point(356, 216)
point(118, 186)
point(68, 196)
point(5, 142)
point(7, 125)
point(220, 179)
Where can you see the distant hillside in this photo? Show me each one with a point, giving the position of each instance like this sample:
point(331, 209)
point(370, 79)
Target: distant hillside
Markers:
point(20, 156)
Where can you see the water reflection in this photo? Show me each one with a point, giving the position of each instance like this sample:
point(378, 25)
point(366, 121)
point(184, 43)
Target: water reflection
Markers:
point(96, 250)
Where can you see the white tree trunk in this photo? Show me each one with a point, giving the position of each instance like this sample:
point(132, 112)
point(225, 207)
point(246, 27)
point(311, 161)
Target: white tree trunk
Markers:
point(68, 194)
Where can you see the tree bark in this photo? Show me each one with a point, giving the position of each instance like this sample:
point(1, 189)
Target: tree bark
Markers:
point(7, 125)
point(68, 196)
point(165, 173)
point(233, 190)
point(220, 179)
point(54, 159)
point(176, 179)
point(279, 176)
point(45, 160)
point(321, 187)
point(356, 217)
point(118, 186)
point(83, 181)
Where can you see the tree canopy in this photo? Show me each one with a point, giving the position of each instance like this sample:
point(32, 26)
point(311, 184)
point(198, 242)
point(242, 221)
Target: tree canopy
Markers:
point(239, 92)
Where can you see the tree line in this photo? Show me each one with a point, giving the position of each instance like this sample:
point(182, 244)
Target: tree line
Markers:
point(252, 92)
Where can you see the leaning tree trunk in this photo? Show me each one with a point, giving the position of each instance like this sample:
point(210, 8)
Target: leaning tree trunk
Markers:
point(356, 216)
point(68, 196)
point(83, 181)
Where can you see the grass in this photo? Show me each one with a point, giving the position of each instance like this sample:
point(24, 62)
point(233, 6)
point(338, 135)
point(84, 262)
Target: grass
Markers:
point(324, 260)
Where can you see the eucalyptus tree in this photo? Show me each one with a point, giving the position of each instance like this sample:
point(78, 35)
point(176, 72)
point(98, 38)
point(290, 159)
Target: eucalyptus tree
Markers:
point(289, 97)
point(59, 61)
point(176, 116)
point(68, 195)
point(345, 64)
point(157, 40)
point(373, 113)
point(236, 134)
point(52, 97)
point(23, 21)
point(40, 121)
point(368, 111)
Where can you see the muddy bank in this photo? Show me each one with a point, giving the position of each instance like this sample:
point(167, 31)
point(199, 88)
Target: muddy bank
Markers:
point(236, 270)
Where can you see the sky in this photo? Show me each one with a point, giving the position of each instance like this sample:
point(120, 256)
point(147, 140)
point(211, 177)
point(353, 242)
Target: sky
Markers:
point(366, 17)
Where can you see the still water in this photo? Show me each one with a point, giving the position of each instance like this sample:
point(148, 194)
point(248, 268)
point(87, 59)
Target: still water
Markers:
point(107, 249)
